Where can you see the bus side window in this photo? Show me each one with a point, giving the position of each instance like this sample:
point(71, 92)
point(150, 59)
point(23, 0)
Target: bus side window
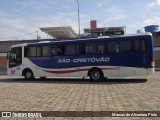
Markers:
point(140, 45)
point(113, 47)
point(77, 50)
point(125, 46)
point(54, 51)
point(136, 45)
point(61, 49)
point(45, 51)
point(39, 51)
point(70, 49)
point(80, 49)
point(100, 48)
point(90, 48)
point(143, 46)
point(31, 51)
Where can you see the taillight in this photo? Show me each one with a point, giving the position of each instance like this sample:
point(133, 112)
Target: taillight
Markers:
point(152, 59)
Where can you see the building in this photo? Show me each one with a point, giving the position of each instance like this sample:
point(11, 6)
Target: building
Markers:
point(156, 38)
point(60, 32)
point(93, 31)
point(154, 29)
point(151, 28)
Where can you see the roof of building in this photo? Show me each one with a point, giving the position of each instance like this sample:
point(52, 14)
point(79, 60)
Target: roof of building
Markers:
point(104, 29)
point(60, 32)
point(151, 26)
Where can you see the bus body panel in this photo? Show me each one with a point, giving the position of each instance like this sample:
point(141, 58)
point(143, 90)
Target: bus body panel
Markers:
point(112, 65)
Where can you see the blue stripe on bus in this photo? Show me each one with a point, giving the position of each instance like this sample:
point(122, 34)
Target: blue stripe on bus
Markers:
point(126, 60)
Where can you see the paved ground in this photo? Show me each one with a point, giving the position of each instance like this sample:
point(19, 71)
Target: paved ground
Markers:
point(132, 94)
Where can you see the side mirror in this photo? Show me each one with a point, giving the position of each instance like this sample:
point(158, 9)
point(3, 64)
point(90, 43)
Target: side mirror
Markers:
point(11, 56)
point(8, 54)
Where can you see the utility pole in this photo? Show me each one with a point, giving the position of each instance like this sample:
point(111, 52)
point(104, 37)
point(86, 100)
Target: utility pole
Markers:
point(37, 34)
point(78, 18)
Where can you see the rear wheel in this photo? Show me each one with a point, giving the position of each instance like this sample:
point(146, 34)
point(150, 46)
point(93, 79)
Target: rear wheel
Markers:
point(29, 75)
point(96, 75)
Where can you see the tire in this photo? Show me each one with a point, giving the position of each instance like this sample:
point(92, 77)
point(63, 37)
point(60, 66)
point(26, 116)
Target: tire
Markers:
point(96, 75)
point(42, 78)
point(29, 75)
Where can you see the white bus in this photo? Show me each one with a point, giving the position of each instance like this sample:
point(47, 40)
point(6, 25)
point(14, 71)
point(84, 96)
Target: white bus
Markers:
point(95, 58)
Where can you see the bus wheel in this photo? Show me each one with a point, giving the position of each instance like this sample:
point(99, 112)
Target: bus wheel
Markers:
point(29, 75)
point(42, 78)
point(96, 74)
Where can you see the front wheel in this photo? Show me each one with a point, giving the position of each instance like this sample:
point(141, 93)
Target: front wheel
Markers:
point(96, 75)
point(29, 75)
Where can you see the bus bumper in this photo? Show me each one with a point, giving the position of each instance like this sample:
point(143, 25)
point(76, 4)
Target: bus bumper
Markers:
point(14, 72)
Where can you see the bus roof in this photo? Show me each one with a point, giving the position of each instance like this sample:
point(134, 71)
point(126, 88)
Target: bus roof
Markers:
point(81, 40)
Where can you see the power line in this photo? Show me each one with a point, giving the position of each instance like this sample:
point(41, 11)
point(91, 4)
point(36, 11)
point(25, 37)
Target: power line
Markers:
point(19, 36)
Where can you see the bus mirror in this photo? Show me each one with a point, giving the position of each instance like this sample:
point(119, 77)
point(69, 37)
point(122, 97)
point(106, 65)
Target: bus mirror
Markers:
point(8, 54)
point(11, 56)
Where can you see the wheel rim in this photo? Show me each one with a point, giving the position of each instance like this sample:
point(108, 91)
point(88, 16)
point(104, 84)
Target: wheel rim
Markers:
point(95, 75)
point(28, 75)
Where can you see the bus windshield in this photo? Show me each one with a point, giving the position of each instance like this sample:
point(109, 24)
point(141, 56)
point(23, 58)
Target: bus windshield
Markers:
point(15, 57)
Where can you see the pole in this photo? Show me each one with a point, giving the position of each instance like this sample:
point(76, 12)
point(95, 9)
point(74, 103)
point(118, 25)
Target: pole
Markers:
point(78, 18)
point(37, 34)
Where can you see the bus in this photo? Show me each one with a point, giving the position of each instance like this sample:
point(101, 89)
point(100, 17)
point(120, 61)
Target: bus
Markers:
point(96, 58)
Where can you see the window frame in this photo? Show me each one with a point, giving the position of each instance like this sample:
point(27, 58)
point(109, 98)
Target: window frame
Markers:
point(127, 51)
point(140, 45)
point(105, 44)
point(66, 47)
point(63, 50)
point(28, 48)
point(40, 51)
point(52, 46)
point(80, 47)
point(49, 51)
point(108, 52)
point(93, 43)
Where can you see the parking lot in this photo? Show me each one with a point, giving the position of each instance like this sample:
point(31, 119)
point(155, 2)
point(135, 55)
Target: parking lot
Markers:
point(66, 94)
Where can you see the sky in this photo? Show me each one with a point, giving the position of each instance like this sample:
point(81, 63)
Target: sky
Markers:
point(20, 19)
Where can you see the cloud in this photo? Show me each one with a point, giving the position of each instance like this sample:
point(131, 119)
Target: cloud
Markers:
point(17, 23)
point(150, 5)
point(12, 26)
point(3, 14)
point(118, 17)
point(158, 2)
point(109, 14)
point(30, 16)
point(114, 13)
point(152, 21)
point(153, 4)
point(35, 5)
point(99, 5)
